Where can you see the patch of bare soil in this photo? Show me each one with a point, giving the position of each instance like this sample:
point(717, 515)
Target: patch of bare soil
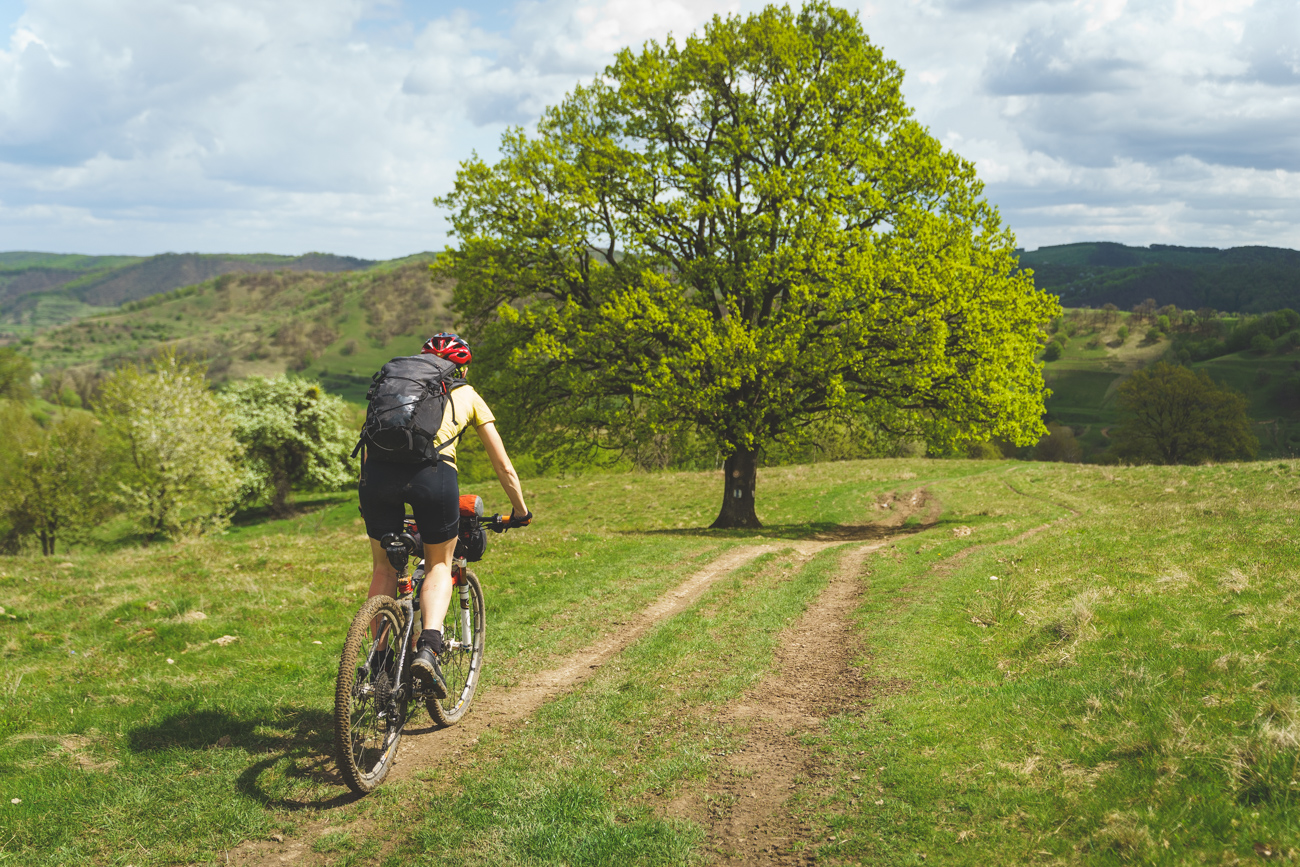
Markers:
point(897, 508)
point(745, 807)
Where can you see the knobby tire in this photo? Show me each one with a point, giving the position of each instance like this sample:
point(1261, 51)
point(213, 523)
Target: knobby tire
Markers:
point(368, 727)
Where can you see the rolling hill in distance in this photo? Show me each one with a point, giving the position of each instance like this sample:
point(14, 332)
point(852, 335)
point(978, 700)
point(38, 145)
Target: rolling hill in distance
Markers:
point(1236, 280)
point(337, 327)
point(337, 319)
point(38, 290)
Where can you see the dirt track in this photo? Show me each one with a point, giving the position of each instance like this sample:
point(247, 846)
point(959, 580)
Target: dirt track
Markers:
point(428, 749)
point(750, 821)
point(825, 682)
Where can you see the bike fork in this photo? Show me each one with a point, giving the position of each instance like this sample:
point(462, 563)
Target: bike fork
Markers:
point(466, 624)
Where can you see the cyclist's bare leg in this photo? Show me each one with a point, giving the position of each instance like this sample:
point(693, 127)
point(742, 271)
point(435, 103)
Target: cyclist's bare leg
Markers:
point(435, 598)
point(383, 577)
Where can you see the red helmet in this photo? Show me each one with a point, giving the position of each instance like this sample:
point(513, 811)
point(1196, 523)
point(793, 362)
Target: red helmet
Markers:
point(449, 346)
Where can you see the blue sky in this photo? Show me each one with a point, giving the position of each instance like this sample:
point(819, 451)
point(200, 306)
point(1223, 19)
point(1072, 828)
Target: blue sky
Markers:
point(145, 126)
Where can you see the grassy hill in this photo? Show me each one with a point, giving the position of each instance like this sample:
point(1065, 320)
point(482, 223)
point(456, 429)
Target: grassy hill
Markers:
point(341, 326)
point(1052, 664)
point(1240, 279)
point(336, 327)
point(38, 290)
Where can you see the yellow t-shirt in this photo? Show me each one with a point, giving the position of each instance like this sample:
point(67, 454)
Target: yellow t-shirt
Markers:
point(469, 408)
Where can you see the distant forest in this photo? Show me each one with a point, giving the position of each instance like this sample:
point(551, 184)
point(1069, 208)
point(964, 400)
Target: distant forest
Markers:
point(1236, 280)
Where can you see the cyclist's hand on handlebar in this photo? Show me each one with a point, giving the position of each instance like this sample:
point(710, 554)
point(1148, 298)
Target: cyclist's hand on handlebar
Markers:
point(520, 521)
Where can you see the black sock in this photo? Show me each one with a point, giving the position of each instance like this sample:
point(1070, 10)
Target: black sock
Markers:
point(432, 639)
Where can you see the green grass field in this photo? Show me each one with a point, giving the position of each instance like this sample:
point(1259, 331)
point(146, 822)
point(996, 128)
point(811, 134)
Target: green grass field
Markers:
point(1125, 691)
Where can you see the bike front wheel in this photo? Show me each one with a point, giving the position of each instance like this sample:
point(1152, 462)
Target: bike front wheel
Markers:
point(462, 659)
point(369, 705)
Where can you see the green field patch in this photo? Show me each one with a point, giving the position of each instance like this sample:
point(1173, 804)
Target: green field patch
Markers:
point(1122, 691)
point(1079, 390)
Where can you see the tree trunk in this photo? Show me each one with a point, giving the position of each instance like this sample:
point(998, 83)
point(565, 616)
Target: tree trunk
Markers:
point(281, 487)
point(740, 473)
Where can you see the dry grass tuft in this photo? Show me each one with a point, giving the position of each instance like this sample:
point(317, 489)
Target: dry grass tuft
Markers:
point(1075, 619)
point(1262, 768)
point(1235, 581)
point(1279, 724)
point(1125, 836)
point(1177, 579)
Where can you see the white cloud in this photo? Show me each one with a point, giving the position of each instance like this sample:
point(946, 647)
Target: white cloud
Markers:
point(1132, 120)
point(236, 124)
point(146, 125)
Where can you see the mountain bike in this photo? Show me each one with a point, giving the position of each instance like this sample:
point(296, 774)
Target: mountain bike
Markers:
point(375, 690)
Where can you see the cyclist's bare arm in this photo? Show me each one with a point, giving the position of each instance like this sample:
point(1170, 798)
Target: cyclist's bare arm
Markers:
point(506, 474)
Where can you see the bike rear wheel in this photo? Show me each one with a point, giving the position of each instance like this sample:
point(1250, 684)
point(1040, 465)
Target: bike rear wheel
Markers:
point(369, 707)
point(462, 659)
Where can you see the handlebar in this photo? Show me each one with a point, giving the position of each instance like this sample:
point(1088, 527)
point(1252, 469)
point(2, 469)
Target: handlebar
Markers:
point(499, 523)
point(410, 539)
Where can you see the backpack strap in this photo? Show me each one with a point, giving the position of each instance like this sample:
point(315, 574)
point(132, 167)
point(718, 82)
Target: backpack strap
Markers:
point(437, 450)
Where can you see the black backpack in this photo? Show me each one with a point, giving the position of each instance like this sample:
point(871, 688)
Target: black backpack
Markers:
point(408, 397)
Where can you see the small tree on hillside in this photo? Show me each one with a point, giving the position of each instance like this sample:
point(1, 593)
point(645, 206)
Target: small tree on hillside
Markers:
point(742, 236)
point(1060, 444)
point(19, 430)
point(15, 375)
point(293, 433)
point(180, 456)
point(1171, 415)
point(57, 482)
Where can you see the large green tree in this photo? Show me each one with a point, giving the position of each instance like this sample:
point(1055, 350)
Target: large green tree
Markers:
point(1172, 415)
point(293, 433)
point(743, 235)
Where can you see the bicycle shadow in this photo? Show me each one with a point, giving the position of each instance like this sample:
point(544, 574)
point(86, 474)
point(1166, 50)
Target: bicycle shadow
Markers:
point(296, 741)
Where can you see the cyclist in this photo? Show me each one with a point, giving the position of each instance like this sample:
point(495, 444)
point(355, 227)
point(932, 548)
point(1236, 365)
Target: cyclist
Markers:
point(433, 491)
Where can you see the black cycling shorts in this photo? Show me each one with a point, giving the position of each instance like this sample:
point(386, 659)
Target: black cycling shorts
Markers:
point(433, 492)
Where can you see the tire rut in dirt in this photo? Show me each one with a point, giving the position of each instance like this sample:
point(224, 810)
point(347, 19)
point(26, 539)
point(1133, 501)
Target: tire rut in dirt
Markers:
point(746, 812)
point(439, 750)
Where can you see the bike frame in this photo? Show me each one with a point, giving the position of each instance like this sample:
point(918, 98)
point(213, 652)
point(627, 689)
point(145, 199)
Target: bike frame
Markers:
point(410, 604)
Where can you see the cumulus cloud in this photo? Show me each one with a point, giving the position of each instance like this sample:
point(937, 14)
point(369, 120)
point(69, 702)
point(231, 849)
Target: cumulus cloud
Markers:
point(146, 125)
point(1133, 120)
point(236, 123)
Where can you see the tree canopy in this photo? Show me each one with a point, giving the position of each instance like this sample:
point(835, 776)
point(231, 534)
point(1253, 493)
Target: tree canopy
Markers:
point(293, 433)
point(1172, 415)
point(181, 472)
point(743, 236)
point(52, 480)
point(15, 375)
